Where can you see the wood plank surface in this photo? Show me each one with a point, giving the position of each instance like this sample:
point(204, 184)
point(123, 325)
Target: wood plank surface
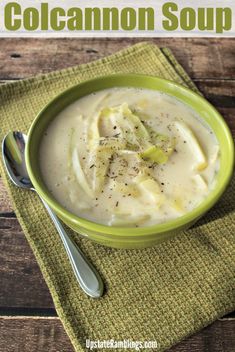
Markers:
point(201, 58)
point(22, 284)
point(26, 334)
point(220, 93)
point(39, 334)
point(27, 315)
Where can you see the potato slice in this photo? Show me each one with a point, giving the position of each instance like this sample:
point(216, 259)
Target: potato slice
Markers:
point(154, 154)
point(150, 188)
point(193, 143)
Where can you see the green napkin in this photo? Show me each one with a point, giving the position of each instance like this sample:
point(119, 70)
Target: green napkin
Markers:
point(158, 294)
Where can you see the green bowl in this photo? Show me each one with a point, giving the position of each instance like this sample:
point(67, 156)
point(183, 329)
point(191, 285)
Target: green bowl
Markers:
point(120, 237)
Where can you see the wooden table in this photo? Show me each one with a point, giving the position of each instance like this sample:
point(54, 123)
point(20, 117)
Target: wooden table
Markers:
point(28, 321)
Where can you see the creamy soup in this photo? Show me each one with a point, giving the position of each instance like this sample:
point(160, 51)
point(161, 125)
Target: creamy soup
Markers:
point(129, 157)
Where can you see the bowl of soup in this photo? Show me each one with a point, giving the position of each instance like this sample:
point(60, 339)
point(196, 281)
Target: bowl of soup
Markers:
point(128, 160)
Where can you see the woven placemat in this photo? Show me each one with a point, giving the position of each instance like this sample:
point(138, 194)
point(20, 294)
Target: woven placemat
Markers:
point(163, 293)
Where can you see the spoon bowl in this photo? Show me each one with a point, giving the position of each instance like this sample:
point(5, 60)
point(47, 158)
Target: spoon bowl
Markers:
point(13, 149)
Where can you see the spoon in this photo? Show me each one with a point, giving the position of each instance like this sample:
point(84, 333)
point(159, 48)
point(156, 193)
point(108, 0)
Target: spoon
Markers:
point(13, 153)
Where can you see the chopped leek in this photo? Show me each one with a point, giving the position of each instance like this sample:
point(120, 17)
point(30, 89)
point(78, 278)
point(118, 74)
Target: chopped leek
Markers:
point(111, 143)
point(100, 163)
point(93, 121)
point(128, 152)
point(135, 123)
point(101, 157)
point(155, 154)
point(132, 129)
point(93, 133)
point(166, 143)
point(192, 141)
point(161, 138)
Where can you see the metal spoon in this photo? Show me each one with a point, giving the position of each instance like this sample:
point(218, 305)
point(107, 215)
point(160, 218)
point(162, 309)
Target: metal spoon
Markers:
point(13, 153)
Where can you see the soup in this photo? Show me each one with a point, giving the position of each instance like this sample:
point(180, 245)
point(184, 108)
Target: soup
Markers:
point(129, 157)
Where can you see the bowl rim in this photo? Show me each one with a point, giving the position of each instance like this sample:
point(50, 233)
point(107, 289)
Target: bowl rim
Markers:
point(167, 226)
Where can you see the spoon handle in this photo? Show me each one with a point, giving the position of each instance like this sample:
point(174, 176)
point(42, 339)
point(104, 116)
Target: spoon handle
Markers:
point(87, 276)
